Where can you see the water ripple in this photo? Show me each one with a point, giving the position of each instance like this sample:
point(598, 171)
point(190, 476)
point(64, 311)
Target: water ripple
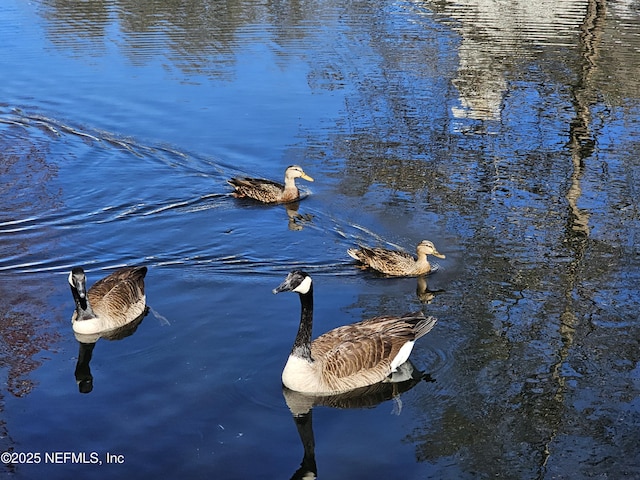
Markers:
point(97, 223)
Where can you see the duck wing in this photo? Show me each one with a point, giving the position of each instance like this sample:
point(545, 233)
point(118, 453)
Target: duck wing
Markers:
point(257, 188)
point(384, 260)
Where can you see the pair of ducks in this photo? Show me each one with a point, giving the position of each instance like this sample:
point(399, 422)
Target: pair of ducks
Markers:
point(389, 262)
point(343, 359)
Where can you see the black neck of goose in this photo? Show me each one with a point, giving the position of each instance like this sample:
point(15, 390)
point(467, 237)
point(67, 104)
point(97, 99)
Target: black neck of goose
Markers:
point(302, 343)
point(83, 309)
point(305, 430)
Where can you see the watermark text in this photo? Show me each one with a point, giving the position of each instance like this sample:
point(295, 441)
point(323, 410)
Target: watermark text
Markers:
point(61, 458)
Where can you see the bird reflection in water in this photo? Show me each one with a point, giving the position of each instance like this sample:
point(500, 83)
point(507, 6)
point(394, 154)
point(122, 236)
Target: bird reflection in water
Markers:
point(424, 294)
point(87, 343)
point(301, 407)
point(297, 220)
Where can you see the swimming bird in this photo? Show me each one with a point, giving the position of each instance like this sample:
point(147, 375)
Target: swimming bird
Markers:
point(268, 191)
point(111, 302)
point(395, 262)
point(347, 357)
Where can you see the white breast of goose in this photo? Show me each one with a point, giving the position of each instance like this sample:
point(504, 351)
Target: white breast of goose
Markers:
point(300, 375)
point(90, 326)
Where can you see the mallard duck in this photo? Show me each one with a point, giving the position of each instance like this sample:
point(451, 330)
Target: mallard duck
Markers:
point(267, 191)
point(347, 357)
point(110, 303)
point(394, 262)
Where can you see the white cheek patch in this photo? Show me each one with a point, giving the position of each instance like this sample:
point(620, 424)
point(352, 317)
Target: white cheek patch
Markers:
point(70, 279)
point(304, 286)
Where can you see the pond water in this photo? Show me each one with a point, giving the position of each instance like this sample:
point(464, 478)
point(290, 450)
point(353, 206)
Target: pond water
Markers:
point(505, 132)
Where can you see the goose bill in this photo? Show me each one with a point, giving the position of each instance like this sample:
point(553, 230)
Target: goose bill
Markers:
point(285, 286)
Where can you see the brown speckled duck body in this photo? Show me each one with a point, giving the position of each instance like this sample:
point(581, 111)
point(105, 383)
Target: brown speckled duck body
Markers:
point(395, 262)
point(268, 191)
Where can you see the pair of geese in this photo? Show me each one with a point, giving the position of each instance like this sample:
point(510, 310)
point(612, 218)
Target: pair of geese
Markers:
point(343, 359)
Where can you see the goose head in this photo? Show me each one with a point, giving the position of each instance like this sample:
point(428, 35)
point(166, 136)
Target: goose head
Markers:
point(78, 282)
point(428, 248)
point(297, 281)
point(295, 171)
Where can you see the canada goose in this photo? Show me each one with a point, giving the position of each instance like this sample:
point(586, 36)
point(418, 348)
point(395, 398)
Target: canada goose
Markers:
point(394, 262)
point(268, 191)
point(111, 302)
point(350, 356)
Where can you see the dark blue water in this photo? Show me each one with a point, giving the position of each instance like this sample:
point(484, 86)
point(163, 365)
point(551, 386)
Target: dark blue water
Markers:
point(506, 136)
